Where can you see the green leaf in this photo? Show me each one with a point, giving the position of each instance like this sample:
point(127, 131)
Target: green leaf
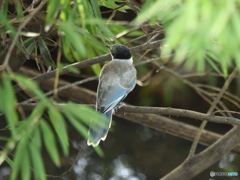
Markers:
point(9, 161)
point(50, 142)
point(60, 128)
point(30, 49)
point(73, 38)
point(25, 167)
point(77, 124)
point(31, 86)
point(8, 25)
point(36, 138)
point(18, 7)
point(29, 41)
point(9, 108)
point(18, 159)
point(52, 11)
point(95, 8)
point(44, 51)
point(83, 113)
point(36, 159)
point(96, 69)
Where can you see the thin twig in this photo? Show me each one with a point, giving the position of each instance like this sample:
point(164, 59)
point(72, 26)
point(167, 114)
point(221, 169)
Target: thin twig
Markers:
point(56, 79)
point(62, 88)
point(70, 169)
point(210, 111)
point(106, 12)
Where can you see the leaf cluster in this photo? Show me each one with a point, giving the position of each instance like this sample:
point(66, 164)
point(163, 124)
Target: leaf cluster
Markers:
point(198, 31)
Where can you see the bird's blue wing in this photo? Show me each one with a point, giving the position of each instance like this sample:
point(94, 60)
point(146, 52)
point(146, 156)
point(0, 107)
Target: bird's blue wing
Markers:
point(109, 96)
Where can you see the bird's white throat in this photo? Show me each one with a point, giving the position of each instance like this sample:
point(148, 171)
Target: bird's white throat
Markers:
point(130, 61)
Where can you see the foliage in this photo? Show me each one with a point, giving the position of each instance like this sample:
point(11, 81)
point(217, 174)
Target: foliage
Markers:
point(29, 143)
point(77, 25)
point(198, 31)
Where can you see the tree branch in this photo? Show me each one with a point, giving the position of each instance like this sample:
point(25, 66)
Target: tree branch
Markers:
point(90, 62)
point(179, 129)
point(197, 163)
point(181, 112)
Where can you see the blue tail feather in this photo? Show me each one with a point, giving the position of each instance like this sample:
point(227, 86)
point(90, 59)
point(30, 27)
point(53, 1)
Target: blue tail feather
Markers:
point(97, 132)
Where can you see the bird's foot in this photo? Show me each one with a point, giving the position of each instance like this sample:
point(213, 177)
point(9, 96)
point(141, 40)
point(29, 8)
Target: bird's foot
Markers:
point(119, 106)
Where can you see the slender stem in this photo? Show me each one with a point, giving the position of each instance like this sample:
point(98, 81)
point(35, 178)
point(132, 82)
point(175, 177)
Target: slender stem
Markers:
point(210, 111)
point(55, 89)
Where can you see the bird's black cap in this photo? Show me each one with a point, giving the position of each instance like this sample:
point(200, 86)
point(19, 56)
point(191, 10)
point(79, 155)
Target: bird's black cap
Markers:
point(120, 51)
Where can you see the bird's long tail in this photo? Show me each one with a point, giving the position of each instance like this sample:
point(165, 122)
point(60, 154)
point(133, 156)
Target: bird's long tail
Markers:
point(98, 132)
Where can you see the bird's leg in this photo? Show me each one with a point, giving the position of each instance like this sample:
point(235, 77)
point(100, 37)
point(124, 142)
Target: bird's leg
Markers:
point(121, 104)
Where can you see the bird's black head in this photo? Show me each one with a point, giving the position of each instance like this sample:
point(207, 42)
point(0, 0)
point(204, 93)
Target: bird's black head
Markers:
point(119, 51)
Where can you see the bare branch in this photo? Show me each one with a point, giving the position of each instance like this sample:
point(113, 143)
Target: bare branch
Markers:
point(197, 163)
point(90, 62)
point(211, 109)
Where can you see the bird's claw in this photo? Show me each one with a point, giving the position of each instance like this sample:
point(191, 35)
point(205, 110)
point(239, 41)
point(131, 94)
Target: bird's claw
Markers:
point(121, 104)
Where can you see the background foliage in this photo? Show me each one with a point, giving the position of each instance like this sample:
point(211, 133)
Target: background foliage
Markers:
point(197, 33)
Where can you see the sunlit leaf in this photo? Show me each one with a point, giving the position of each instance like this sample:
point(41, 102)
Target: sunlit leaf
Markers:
point(96, 69)
point(95, 8)
point(52, 11)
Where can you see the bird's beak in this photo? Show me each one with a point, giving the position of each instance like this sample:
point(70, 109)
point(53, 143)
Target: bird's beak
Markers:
point(108, 47)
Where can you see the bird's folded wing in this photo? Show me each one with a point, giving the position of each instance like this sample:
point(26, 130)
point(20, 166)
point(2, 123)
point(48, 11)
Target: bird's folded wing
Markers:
point(110, 95)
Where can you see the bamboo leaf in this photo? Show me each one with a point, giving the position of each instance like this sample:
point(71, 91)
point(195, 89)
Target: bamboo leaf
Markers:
point(30, 49)
point(25, 167)
point(18, 159)
point(44, 51)
point(96, 69)
point(18, 8)
point(9, 99)
point(60, 128)
point(77, 124)
point(52, 11)
point(36, 159)
point(36, 138)
point(71, 35)
point(49, 141)
point(95, 8)
point(9, 161)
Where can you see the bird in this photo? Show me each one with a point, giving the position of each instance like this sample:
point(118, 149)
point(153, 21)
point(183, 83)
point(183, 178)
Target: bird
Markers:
point(117, 78)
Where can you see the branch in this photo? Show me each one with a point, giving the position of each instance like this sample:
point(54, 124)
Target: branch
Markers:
point(90, 62)
point(179, 129)
point(162, 111)
point(180, 112)
point(197, 163)
point(141, 109)
point(210, 111)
